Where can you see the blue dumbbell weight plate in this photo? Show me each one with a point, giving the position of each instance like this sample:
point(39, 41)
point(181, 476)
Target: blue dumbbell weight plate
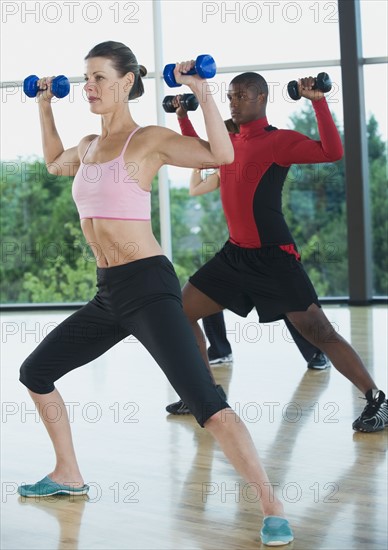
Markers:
point(61, 86)
point(30, 85)
point(206, 66)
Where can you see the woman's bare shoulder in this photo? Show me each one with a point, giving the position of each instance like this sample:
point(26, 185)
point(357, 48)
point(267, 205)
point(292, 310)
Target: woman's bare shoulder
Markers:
point(155, 131)
point(87, 139)
point(84, 143)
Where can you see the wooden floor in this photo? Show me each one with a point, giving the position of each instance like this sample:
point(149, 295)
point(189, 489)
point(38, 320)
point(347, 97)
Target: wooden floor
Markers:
point(159, 482)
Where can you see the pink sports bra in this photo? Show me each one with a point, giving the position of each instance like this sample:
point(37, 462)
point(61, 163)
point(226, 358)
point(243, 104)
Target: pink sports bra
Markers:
point(105, 190)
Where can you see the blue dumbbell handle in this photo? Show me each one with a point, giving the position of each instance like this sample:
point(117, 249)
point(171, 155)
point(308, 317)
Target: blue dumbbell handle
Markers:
point(205, 66)
point(60, 86)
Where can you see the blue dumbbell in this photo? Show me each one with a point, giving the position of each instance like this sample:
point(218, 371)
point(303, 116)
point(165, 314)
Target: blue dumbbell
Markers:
point(205, 67)
point(60, 86)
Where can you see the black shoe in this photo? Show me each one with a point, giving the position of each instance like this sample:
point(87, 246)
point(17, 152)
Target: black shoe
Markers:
point(374, 417)
point(180, 408)
point(319, 361)
point(221, 360)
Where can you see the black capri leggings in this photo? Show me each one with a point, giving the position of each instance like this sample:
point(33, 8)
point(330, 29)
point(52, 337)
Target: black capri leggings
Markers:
point(143, 299)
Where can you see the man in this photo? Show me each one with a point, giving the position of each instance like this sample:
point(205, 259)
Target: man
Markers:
point(259, 266)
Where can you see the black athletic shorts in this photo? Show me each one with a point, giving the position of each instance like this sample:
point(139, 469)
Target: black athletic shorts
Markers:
point(269, 279)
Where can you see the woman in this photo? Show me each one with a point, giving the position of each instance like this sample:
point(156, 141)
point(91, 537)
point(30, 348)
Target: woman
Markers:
point(138, 291)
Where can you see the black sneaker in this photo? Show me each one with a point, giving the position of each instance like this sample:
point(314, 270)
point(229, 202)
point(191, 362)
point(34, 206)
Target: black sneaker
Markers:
point(374, 417)
point(180, 408)
point(319, 361)
point(221, 360)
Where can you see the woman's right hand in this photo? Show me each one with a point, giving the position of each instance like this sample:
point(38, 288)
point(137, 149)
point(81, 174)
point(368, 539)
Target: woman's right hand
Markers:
point(180, 110)
point(44, 85)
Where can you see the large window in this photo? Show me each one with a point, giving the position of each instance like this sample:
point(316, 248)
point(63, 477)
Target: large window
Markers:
point(44, 257)
point(374, 16)
point(52, 37)
point(244, 33)
point(377, 117)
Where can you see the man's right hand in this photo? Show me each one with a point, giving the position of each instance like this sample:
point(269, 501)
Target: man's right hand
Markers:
point(180, 110)
point(305, 87)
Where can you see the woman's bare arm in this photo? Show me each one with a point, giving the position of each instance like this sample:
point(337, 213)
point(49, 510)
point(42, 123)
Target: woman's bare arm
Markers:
point(201, 186)
point(189, 152)
point(59, 161)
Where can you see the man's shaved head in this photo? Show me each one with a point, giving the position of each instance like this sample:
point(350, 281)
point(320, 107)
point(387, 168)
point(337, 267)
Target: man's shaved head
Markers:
point(247, 95)
point(253, 81)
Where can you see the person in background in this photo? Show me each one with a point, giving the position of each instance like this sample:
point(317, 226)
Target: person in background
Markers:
point(259, 266)
point(219, 351)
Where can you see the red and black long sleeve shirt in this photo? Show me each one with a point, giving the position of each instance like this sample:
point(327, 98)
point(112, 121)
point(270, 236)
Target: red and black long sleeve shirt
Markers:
point(251, 186)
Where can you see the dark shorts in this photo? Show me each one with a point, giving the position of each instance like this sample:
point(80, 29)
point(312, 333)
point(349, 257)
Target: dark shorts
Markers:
point(269, 279)
point(143, 299)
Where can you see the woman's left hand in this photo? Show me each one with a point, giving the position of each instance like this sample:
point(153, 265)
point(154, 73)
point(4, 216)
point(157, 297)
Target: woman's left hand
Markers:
point(182, 78)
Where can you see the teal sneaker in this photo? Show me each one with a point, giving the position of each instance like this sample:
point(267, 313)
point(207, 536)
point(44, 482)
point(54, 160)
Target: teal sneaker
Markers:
point(46, 487)
point(276, 531)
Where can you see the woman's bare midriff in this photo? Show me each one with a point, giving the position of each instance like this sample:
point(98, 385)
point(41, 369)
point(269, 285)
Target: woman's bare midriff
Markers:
point(118, 242)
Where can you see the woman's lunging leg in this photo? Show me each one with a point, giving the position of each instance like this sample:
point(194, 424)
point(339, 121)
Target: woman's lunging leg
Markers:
point(79, 339)
point(166, 333)
point(53, 413)
point(236, 442)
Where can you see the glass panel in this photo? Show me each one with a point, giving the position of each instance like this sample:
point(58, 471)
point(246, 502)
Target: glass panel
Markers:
point(241, 33)
point(59, 34)
point(313, 198)
point(377, 116)
point(72, 117)
point(374, 17)
point(44, 255)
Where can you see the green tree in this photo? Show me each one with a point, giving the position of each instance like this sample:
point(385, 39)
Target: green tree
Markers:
point(377, 152)
point(45, 257)
point(315, 209)
point(43, 248)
